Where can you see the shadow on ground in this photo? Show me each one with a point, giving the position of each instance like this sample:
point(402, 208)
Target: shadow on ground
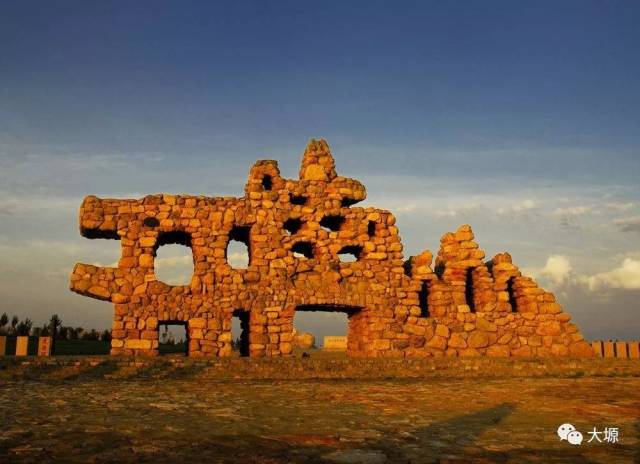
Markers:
point(450, 441)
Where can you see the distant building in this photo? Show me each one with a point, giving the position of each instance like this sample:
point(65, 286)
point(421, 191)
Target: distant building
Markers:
point(335, 343)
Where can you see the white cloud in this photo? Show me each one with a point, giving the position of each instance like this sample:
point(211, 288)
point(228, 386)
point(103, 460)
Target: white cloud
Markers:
point(620, 206)
point(408, 208)
point(524, 205)
point(626, 276)
point(518, 207)
point(174, 264)
point(181, 279)
point(572, 211)
point(173, 261)
point(447, 213)
point(238, 260)
point(557, 270)
point(463, 210)
point(630, 224)
point(558, 273)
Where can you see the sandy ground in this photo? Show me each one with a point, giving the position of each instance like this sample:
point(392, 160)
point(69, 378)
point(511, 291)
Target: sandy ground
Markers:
point(111, 413)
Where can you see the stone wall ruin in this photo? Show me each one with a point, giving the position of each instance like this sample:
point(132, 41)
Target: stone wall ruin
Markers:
point(298, 233)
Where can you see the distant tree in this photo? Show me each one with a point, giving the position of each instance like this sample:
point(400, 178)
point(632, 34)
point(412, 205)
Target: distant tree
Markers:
point(14, 325)
point(24, 327)
point(36, 332)
point(54, 323)
point(106, 336)
point(4, 320)
point(79, 331)
point(90, 335)
point(62, 333)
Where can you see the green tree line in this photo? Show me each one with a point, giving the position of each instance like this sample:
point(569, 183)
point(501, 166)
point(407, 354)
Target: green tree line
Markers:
point(15, 327)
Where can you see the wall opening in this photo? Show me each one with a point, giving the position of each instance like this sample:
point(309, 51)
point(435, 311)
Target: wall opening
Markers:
point(439, 269)
point(292, 225)
point(323, 320)
point(97, 233)
point(331, 223)
point(108, 254)
point(346, 202)
point(173, 337)
point(371, 229)
point(350, 254)
point(267, 182)
point(176, 237)
point(302, 250)
point(423, 299)
point(150, 222)
point(238, 250)
point(240, 332)
point(407, 268)
point(173, 263)
point(512, 297)
point(300, 200)
point(468, 289)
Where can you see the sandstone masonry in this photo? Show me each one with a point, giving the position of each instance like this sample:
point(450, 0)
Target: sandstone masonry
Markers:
point(297, 233)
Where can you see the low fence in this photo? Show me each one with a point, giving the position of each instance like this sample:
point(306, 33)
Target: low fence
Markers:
point(25, 346)
point(611, 349)
point(42, 346)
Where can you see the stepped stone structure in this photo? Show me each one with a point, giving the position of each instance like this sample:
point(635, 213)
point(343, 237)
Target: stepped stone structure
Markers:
point(298, 234)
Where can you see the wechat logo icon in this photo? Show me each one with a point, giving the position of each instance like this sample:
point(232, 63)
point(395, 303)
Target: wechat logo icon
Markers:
point(568, 432)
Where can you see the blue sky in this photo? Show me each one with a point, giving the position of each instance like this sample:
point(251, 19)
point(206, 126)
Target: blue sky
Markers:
point(520, 118)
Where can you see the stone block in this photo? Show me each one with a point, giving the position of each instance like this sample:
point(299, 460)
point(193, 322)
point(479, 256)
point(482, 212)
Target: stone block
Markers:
point(621, 350)
point(137, 344)
point(581, 349)
point(381, 344)
point(22, 345)
point(549, 328)
point(598, 348)
point(487, 326)
point(457, 340)
point(197, 323)
point(478, 339)
point(307, 341)
point(437, 342)
point(44, 346)
point(609, 350)
point(499, 351)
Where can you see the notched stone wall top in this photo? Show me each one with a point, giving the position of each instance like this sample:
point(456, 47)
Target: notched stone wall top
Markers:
point(311, 249)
